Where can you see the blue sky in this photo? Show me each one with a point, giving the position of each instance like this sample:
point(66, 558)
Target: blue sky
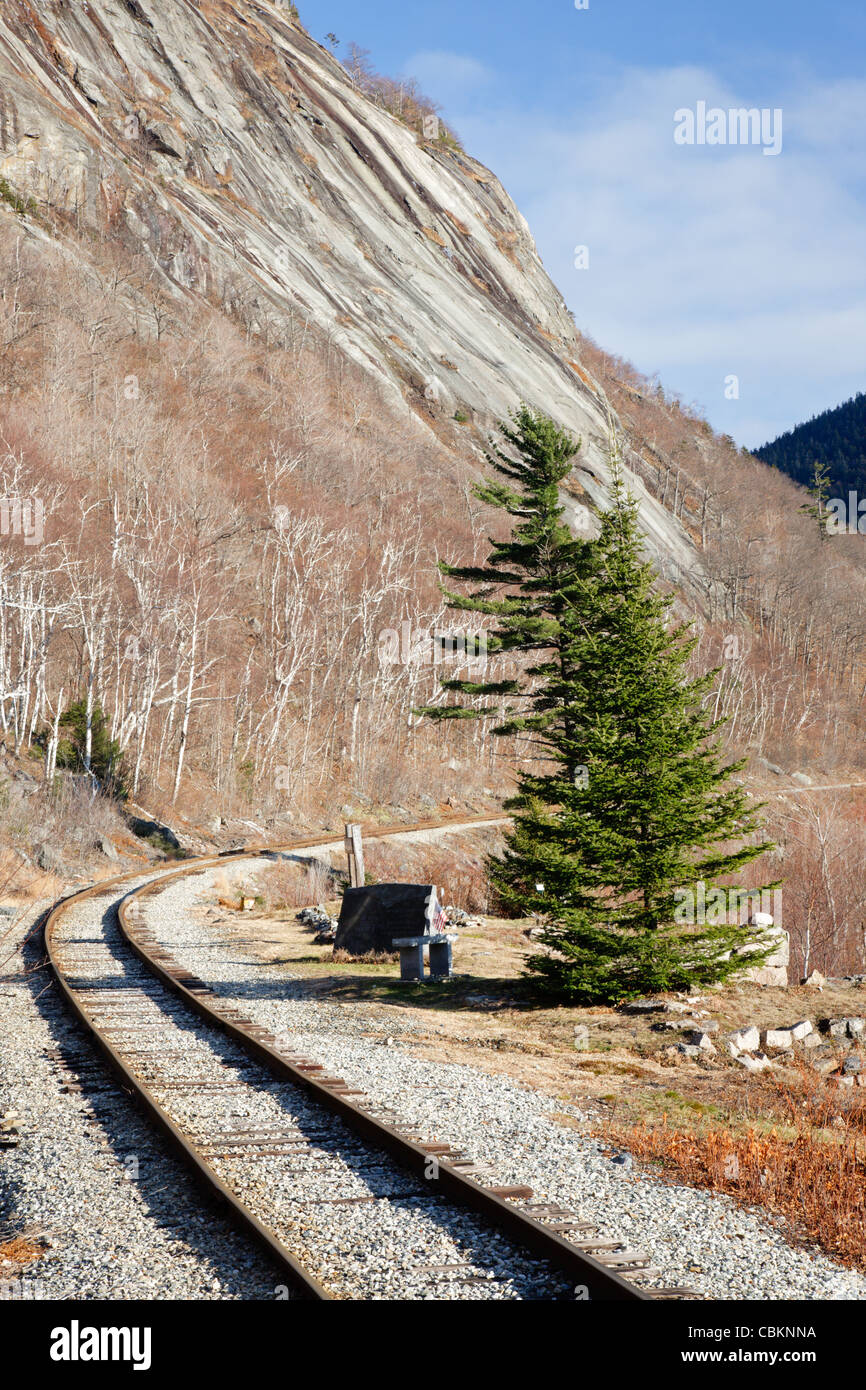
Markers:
point(706, 262)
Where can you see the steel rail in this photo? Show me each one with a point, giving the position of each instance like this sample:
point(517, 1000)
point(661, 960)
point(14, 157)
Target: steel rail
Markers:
point(241, 1216)
point(600, 1281)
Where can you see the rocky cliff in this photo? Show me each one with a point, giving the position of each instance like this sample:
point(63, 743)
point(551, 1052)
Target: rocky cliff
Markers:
point(241, 158)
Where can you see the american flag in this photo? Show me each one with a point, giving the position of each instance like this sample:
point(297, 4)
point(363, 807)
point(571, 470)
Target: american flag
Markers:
point(436, 914)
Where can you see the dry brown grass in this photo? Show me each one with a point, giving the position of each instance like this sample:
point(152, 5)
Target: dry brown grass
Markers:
point(808, 1168)
point(458, 873)
point(368, 958)
point(18, 1252)
point(288, 884)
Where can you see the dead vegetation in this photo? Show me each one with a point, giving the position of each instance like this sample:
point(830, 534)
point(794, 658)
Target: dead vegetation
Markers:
point(457, 870)
point(227, 534)
point(19, 1251)
point(802, 1158)
point(288, 884)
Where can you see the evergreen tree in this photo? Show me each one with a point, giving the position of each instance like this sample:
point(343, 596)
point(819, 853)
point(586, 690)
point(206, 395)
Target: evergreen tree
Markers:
point(105, 754)
point(626, 808)
point(819, 491)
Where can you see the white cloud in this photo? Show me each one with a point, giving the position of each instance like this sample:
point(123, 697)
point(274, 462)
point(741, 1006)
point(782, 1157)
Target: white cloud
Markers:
point(703, 260)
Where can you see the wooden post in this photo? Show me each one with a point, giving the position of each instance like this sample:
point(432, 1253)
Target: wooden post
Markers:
point(354, 854)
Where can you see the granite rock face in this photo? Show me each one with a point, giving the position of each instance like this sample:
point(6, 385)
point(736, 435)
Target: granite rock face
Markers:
point(232, 151)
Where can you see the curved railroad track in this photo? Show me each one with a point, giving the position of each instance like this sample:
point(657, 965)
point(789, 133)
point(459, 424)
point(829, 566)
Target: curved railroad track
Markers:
point(267, 1131)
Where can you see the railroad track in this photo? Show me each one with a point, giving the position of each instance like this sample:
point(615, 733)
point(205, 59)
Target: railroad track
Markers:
point(347, 1199)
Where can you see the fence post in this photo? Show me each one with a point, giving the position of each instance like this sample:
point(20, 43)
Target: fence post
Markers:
point(354, 854)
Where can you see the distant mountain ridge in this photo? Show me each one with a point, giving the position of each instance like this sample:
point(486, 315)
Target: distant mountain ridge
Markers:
point(836, 437)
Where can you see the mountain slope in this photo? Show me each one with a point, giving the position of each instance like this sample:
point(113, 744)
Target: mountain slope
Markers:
point(836, 438)
point(253, 333)
point(236, 152)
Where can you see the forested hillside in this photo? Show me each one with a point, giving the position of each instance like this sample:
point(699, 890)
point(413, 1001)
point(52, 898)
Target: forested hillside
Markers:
point(251, 401)
point(836, 438)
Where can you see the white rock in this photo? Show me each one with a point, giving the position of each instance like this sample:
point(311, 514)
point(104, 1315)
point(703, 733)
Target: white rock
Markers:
point(801, 1030)
point(746, 1039)
point(757, 1063)
point(778, 1039)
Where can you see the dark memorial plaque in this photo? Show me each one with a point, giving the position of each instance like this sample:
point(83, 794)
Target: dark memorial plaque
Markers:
point(371, 918)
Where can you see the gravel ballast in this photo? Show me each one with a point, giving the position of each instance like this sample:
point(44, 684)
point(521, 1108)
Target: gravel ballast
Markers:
point(697, 1238)
point(348, 1213)
point(120, 1217)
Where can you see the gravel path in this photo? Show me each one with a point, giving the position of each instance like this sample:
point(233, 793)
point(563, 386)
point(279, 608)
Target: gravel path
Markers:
point(695, 1237)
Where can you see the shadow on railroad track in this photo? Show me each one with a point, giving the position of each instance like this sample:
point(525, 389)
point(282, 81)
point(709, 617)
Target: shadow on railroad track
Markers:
point(335, 1173)
point(163, 1184)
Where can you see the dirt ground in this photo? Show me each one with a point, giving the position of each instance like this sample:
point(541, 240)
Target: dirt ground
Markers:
point(487, 1015)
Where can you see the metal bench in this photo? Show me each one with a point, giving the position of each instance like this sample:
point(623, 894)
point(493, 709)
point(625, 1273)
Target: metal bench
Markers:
point(411, 950)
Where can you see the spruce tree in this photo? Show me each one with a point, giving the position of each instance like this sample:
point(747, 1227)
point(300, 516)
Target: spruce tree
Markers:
point(819, 491)
point(628, 804)
point(106, 759)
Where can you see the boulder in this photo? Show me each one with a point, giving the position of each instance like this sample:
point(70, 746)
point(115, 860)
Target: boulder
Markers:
point(816, 980)
point(800, 1031)
point(840, 1028)
point(372, 917)
point(145, 829)
point(823, 1061)
point(49, 858)
point(774, 970)
point(778, 1039)
point(757, 1063)
point(701, 1040)
point(746, 1039)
